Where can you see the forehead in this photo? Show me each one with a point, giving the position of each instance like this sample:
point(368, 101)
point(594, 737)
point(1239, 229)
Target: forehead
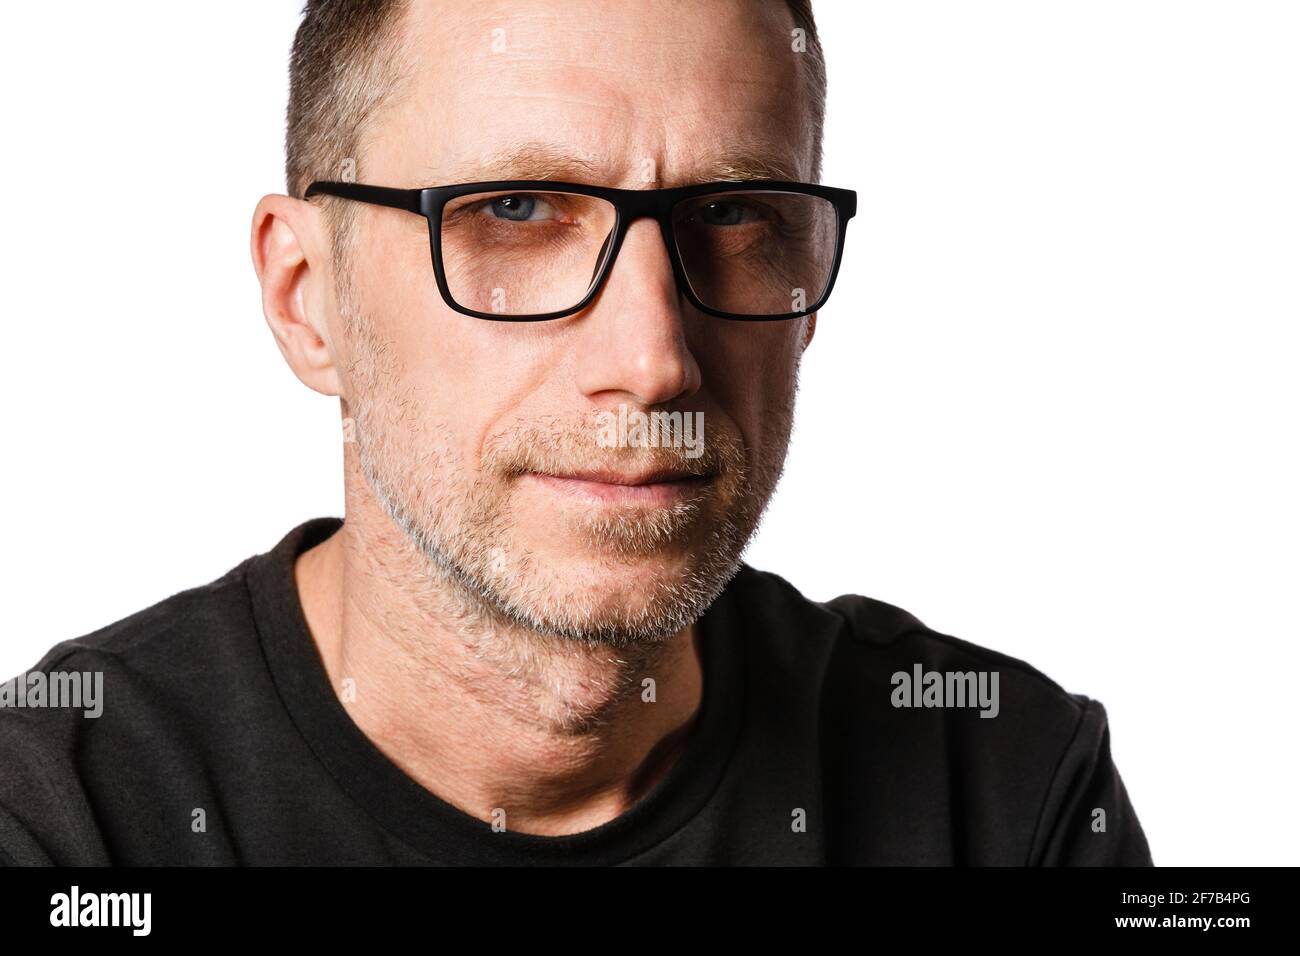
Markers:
point(630, 92)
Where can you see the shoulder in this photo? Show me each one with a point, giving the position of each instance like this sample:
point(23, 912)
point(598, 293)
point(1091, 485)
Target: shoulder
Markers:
point(980, 755)
point(874, 644)
point(117, 698)
point(135, 636)
point(161, 645)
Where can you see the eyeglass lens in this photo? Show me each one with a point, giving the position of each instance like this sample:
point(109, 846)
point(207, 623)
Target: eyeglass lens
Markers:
point(755, 253)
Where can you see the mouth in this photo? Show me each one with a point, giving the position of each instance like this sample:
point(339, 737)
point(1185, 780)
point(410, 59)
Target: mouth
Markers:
point(656, 488)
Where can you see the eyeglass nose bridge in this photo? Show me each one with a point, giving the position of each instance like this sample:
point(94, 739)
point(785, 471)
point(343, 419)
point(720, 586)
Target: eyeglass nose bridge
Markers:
point(632, 205)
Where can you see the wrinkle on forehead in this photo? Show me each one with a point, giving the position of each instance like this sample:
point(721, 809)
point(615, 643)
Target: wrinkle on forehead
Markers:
point(555, 161)
point(689, 92)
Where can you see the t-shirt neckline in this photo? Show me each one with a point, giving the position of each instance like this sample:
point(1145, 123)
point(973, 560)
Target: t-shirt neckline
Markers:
point(438, 829)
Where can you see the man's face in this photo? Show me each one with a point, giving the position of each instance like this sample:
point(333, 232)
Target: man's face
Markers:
point(483, 438)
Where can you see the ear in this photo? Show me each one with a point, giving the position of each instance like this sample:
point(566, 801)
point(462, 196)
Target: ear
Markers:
point(810, 329)
point(290, 248)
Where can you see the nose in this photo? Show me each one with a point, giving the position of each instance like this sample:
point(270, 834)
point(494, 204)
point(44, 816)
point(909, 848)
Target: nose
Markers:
point(633, 340)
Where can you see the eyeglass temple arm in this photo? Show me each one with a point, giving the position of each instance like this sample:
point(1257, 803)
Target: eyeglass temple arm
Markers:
point(408, 199)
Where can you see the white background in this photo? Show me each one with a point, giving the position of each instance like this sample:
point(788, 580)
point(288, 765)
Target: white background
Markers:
point(1051, 408)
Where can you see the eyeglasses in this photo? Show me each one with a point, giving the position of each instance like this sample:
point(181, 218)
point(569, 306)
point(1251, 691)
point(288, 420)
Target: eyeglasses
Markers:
point(527, 250)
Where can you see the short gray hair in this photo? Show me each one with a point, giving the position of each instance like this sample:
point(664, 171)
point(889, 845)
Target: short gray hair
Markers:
point(346, 61)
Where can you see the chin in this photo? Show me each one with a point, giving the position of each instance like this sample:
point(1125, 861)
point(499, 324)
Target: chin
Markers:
point(609, 598)
point(609, 558)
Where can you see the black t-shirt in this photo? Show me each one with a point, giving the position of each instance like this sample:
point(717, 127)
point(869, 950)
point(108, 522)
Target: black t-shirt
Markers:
point(221, 741)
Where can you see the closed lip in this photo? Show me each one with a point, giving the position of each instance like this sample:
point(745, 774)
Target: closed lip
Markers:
point(630, 479)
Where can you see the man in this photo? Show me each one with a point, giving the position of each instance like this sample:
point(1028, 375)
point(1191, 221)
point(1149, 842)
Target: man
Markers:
point(559, 263)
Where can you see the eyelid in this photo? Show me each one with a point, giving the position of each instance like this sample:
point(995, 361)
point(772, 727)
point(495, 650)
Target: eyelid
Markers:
point(462, 205)
point(748, 201)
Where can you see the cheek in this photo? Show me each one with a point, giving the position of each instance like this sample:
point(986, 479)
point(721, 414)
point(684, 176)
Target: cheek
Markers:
point(450, 373)
point(749, 369)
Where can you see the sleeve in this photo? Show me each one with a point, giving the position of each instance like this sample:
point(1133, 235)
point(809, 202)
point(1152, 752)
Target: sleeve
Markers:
point(46, 817)
point(1087, 818)
point(17, 846)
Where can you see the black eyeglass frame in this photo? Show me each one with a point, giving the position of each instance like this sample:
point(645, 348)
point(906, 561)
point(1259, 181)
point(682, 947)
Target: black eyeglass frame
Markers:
point(629, 206)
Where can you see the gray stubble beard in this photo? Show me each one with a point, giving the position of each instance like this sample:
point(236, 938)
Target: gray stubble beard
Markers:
point(461, 529)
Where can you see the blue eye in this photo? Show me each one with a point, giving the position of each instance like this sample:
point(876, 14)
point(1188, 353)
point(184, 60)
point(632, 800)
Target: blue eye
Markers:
point(514, 208)
point(524, 207)
point(724, 214)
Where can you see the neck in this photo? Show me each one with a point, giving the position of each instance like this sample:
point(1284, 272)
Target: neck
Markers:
point(488, 716)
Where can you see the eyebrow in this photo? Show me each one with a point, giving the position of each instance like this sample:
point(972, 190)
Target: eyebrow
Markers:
point(540, 160)
point(525, 161)
point(746, 165)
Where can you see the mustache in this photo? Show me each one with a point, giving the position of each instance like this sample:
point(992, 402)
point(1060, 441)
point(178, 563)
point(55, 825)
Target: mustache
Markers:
point(555, 445)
